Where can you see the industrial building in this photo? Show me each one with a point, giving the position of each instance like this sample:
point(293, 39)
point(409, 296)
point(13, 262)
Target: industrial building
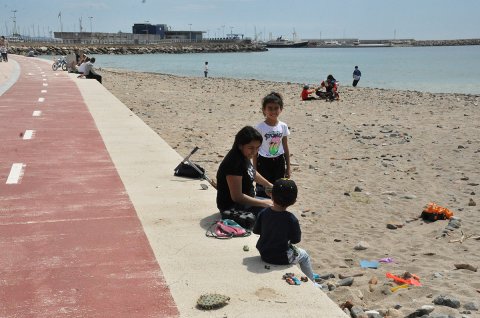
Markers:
point(142, 33)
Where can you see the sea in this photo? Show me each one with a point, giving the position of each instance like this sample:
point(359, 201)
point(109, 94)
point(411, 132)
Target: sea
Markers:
point(442, 69)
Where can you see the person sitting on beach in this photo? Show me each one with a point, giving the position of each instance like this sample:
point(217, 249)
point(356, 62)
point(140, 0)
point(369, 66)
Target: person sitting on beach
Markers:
point(71, 62)
point(90, 72)
point(306, 91)
point(81, 59)
point(331, 87)
point(279, 229)
point(236, 174)
point(82, 67)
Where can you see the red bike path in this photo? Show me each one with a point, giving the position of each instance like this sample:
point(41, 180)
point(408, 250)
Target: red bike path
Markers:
point(70, 240)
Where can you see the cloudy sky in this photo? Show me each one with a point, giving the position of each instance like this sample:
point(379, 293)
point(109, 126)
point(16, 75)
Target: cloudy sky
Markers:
point(363, 19)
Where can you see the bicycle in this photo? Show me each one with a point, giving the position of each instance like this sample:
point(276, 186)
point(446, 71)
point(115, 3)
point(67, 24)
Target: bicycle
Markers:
point(60, 62)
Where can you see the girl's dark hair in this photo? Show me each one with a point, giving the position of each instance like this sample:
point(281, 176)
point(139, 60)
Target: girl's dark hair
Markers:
point(273, 97)
point(246, 135)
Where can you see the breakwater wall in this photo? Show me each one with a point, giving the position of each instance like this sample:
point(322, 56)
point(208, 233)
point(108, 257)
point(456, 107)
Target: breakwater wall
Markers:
point(169, 48)
point(446, 42)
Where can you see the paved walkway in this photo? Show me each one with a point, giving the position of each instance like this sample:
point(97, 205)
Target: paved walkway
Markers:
point(93, 223)
point(70, 238)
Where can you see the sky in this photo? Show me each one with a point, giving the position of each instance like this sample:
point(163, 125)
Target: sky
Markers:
point(359, 19)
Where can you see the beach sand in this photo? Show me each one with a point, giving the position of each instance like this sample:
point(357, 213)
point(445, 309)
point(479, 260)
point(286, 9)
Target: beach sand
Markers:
point(399, 149)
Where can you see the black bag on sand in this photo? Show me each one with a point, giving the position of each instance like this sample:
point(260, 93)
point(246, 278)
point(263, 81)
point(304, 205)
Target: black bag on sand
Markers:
point(187, 171)
point(244, 218)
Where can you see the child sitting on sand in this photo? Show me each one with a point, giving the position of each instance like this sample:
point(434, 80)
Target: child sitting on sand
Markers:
point(279, 229)
point(306, 93)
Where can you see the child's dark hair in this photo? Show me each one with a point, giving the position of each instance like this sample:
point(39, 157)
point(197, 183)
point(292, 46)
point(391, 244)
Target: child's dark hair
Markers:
point(284, 192)
point(273, 97)
point(246, 135)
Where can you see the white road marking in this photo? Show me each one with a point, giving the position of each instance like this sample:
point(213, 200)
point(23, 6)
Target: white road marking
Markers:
point(43, 91)
point(44, 75)
point(45, 84)
point(16, 173)
point(36, 113)
point(28, 134)
point(44, 79)
point(41, 99)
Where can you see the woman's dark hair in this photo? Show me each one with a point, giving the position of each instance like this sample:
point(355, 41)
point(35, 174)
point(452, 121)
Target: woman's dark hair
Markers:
point(246, 135)
point(273, 97)
point(330, 77)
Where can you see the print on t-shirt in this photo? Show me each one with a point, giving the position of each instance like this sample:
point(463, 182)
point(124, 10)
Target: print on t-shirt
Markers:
point(275, 141)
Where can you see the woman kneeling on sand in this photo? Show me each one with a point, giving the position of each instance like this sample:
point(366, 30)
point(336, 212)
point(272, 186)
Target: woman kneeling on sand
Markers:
point(236, 174)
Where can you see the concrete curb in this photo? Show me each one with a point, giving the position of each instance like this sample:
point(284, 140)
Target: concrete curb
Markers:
point(175, 214)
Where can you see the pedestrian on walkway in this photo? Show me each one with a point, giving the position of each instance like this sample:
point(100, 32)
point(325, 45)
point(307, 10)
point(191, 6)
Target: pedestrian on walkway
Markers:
point(3, 49)
point(205, 71)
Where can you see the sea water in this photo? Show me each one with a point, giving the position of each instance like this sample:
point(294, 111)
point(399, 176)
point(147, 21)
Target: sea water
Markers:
point(454, 69)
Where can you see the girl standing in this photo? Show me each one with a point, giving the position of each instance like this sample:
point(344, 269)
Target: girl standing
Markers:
point(273, 160)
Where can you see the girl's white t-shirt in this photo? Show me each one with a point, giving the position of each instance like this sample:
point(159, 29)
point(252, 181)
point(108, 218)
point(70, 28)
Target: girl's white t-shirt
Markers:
point(272, 145)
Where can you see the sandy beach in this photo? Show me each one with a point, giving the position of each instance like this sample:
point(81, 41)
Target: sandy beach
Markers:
point(365, 166)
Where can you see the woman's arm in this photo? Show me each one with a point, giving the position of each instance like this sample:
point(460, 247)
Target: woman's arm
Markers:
point(261, 180)
point(287, 156)
point(235, 188)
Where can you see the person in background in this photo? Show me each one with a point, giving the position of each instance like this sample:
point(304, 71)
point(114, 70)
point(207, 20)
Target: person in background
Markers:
point(4, 49)
point(331, 87)
point(273, 160)
point(71, 62)
point(83, 65)
point(205, 71)
point(81, 60)
point(236, 174)
point(356, 76)
point(306, 91)
point(90, 72)
point(279, 229)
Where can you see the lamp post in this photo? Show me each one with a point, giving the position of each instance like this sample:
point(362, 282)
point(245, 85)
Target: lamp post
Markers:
point(231, 32)
point(223, 27)
point(190, 32)
point(90, 18)
point(91, 32)
point(14, 31)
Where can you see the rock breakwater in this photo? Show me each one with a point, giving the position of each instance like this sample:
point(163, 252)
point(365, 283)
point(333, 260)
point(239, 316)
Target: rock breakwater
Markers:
point(168, 48)
point(446, 42)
